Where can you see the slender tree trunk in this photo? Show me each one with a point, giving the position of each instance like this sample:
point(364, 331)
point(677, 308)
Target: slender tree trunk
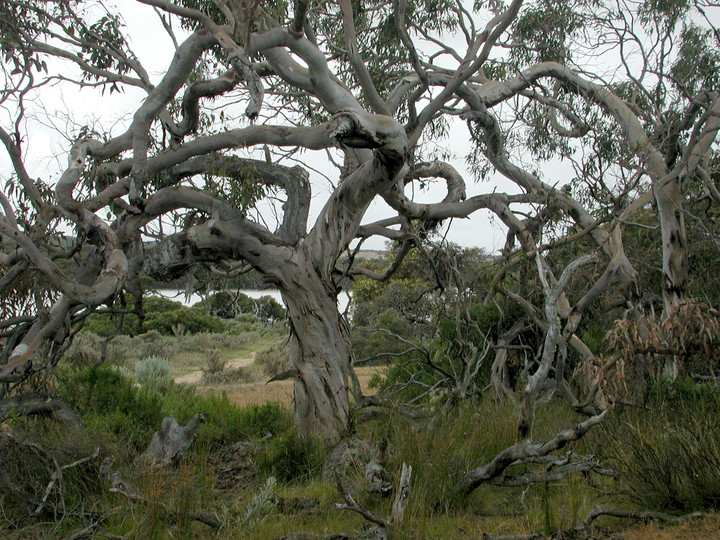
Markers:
point(674, 238)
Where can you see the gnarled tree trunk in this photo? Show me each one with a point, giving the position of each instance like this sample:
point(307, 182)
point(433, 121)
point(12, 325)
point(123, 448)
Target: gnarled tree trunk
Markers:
point(320, 355)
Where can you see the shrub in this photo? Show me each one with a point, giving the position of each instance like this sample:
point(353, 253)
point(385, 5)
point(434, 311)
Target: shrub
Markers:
point(262, 503)
point(245, 323)
point(226, 422)
point(84, 350)
point(120, 349)
point(164, 316)
point(231, 376)
point(274, 358)
point(291, 457)
point(229, 305)
point(191, 321)
point(109, 403)
point(152, 370)
point(269, 310)
point(383, 337)
point(224, 304)
point(214, 363)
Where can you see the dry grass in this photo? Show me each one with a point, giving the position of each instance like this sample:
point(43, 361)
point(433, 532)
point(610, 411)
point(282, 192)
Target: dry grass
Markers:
point(707, 528)
point(281, 392)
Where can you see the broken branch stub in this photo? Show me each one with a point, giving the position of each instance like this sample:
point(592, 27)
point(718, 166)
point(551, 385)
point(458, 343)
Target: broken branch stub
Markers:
point(170, 442)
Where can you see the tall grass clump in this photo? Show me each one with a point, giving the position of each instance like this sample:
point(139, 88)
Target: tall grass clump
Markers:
point(668, 457)
point(440, 452)
point(443, 449)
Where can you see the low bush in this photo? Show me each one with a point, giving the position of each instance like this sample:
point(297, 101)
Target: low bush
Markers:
point(152, 370)
point(126, 350)
point(226, 422)
point(108, 402)
point(214, 363)
point(291, 457)
point(182, 320)
point(161, 315)
point(385, 339)
point(84, 351)
point(240, 375)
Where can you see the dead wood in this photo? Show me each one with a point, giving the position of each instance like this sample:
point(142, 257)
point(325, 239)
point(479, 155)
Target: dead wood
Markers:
point(311, 536)
point(514, 537)
point(295, 504)
point(32, 404)
point(235, 465)
point(128, 490)
point(402, 495)
point(557, 469)
point(377, 477)
point(379, 531)
point(170, 442)
point(520, 451)
point(353, 506)
point(643, 515)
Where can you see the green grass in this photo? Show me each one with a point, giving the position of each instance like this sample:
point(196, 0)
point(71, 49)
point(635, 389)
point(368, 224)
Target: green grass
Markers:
point(121, 416)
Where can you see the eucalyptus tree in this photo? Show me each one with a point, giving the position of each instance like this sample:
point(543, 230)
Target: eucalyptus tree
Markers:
point(381, 87)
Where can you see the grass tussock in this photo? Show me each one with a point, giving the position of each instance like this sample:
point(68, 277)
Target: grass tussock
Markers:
point(668, 456)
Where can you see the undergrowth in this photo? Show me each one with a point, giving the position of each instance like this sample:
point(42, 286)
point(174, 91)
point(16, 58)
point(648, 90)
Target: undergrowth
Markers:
point(668, 454)
point(667, 458)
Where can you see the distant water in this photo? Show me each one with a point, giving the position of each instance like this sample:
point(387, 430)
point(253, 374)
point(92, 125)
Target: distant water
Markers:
point(194, 298)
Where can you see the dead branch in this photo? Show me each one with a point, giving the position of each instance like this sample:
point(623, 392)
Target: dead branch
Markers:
point(398, 510)
point(554, 473)
point(352, 506)
point(514, 537)
point(56, 477)
point(402, 495)
point(203, 517)
point(521, 450)
point(33, 404)
point(376, 475)
point(643, 515)
point(311, 536)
